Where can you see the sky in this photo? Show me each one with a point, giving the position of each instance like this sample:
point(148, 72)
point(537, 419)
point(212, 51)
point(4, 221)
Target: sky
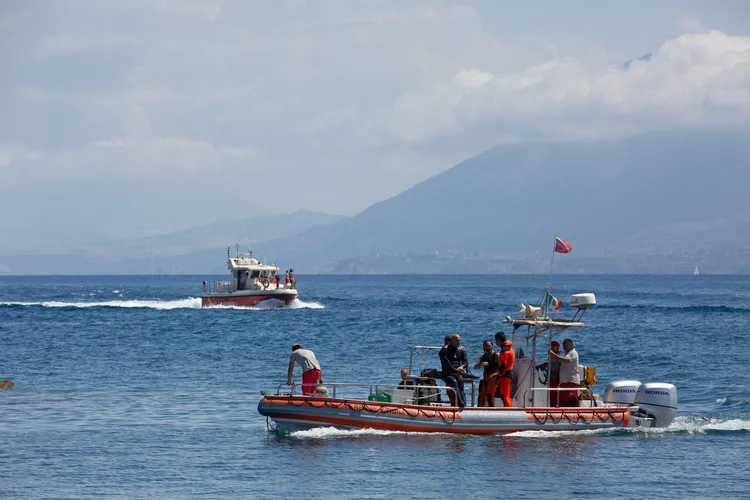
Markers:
point(132, 118)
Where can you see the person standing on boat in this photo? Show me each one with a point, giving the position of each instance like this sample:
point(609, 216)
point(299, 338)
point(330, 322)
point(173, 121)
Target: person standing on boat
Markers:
point(286, 279)
point(488, 385)
point(311, 373)
point(453, 361)
point(569, 376)
point(506, 361)
point(553, 376)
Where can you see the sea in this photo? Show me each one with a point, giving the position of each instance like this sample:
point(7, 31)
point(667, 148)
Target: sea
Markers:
point(126, 388)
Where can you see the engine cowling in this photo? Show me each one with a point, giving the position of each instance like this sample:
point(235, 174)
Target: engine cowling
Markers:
point(659, 400)
point(621, 392)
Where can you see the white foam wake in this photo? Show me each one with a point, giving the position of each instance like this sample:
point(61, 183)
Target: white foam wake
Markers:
point(687, 424)
point(333, 433)
point(188, 303)
point(274, 304)
point(702, 425)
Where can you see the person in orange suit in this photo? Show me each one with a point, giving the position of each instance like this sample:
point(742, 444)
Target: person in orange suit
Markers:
point(506, 361)
point(488, 385)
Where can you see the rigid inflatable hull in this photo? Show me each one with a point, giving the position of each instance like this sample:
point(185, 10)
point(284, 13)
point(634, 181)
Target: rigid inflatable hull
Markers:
point(301, 412)
point(248, 298)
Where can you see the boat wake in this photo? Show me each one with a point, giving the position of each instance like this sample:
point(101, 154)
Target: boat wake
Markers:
point(188, 303)
point(685, 425)
point(274, 304)
point(333, 433)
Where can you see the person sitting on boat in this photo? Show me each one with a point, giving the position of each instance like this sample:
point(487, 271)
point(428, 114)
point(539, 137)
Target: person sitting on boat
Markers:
point(569, 376)
point(506, 361)
point(488, 385)
point(453, 360)
point(406, 383)
point(311, 373)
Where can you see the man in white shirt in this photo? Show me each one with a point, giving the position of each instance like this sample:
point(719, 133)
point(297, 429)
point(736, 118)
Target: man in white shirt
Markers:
point(311, 373)
point(569, 375)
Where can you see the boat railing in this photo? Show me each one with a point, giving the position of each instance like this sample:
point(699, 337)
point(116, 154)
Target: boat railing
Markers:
point(336, 390)
point(217, 287)
point(526, 399)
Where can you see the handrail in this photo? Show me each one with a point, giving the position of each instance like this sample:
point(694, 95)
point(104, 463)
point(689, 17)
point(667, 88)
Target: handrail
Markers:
point(376, 387)
point(556, 389)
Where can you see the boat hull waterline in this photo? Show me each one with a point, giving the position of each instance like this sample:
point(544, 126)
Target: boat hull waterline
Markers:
point(248, 299)
point(301, 412)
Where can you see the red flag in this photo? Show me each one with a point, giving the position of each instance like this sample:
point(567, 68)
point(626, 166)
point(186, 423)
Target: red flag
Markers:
point(562, 246)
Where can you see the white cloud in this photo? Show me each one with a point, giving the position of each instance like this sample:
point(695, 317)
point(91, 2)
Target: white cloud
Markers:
point(343, 103)
point(699, 78)
point(17, 154)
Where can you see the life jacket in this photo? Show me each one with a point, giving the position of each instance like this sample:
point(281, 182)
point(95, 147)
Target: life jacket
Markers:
point(506, 359)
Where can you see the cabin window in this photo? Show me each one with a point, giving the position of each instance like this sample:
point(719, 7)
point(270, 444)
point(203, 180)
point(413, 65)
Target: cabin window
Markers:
point(255, 274)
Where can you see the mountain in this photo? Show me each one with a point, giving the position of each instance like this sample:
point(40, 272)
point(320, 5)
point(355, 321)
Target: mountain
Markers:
point(200, 249)
point(643, 58)
point(508, 202)
point(654, 203)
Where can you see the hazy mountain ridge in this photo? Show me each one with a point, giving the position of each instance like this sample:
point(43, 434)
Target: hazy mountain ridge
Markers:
point(197, 249)
point(607, 197)
point(626, 205)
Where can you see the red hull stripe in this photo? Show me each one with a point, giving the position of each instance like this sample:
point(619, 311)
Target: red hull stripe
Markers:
point(243, 300)
point(539, 415)
point(299, 400)
point(389, 426)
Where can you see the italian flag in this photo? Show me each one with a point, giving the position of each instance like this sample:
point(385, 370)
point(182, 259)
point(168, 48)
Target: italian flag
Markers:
point(551, 302)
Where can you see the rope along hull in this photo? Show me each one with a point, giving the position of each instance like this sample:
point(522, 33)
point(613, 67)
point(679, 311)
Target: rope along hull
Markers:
point(298, 412)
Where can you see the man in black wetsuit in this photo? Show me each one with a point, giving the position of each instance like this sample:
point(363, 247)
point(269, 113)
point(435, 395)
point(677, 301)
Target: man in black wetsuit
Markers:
point(454, 361)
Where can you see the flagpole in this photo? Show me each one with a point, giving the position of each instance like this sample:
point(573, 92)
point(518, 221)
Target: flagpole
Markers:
point(549, 281)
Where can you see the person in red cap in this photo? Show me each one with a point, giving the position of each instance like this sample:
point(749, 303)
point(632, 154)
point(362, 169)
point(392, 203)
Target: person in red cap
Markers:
point(569, 376)
point(311, 373)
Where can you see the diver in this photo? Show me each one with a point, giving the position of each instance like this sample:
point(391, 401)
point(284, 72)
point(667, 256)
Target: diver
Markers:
point(488, 385)
point(454, 361)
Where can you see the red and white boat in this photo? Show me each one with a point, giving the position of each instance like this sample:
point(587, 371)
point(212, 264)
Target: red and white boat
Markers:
point(416, 404)
point(250, 283)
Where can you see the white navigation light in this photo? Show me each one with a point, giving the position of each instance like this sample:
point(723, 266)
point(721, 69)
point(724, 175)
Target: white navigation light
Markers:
point(583, 300)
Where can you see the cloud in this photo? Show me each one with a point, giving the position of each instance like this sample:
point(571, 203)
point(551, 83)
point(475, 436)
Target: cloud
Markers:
point(341, 103)
point(16, 154)
point(694, 79)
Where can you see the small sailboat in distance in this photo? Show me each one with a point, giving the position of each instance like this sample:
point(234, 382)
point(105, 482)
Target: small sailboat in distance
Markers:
point(695, 272)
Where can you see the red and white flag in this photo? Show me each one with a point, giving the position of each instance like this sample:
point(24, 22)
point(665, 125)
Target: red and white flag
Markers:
point(562, 246)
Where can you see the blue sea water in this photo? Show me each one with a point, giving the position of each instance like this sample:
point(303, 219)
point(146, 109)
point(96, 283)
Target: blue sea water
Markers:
point(126, 388)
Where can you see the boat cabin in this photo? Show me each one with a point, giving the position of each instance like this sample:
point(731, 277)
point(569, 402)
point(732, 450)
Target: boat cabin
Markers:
point(249, 274)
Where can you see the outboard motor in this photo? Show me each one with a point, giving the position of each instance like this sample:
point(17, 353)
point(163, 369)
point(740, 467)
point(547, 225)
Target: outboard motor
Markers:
point(621, 392)
point(659, 401)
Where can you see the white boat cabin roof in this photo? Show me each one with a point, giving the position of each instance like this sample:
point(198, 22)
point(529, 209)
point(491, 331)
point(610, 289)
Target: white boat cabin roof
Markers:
point(246, 262)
